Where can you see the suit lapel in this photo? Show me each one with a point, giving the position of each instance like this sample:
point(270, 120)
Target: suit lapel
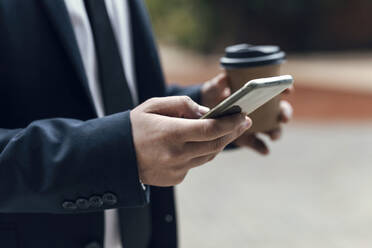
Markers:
point(135, 223)
point(150, 80)
point(59, 17)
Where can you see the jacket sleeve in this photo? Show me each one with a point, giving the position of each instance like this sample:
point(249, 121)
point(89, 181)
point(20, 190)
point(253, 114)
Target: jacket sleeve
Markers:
point(69, 166)
point(194, 92)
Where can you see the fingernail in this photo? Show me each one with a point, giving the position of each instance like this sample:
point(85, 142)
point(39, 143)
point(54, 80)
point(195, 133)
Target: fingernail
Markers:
point(247, 123)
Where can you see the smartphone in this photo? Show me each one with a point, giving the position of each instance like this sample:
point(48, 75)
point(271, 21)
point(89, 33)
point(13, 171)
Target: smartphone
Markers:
point(251, 96)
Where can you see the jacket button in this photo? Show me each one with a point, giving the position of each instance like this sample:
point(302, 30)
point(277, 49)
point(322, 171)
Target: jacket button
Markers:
point(82, 203)
point(168, 218)
point(95, 202)
point(110, 199)
point(93, 245)
point(69, 205)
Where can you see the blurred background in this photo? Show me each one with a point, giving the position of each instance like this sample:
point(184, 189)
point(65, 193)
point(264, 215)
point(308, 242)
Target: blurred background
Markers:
point(314, 189)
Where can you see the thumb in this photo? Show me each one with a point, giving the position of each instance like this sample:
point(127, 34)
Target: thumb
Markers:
point(177, 106)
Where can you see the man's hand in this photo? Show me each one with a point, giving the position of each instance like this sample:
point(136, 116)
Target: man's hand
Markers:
point(169, 138)
point(217, 89)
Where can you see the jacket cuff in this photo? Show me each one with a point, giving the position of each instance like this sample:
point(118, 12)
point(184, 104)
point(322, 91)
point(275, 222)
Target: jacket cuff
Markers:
point(114, 179)
point(123, 178)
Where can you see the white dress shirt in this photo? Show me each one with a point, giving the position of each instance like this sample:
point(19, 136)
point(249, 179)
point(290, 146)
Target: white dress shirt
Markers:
point(120, 20)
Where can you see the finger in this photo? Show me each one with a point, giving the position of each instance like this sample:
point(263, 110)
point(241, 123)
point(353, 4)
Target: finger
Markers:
point(221, 85)
point(290, 90)
point(274, 134)
point(196, 149)
point(211, 129)
point(226, 93)
point(255, 143)
point(176, 106)
point(286, 111)
point(222, 80)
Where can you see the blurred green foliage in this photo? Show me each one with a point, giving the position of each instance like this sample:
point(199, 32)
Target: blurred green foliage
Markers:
point(189, 23)
point(210, 25)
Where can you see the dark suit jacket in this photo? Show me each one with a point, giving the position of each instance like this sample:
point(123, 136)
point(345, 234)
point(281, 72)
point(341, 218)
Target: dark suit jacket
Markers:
point(55, 154)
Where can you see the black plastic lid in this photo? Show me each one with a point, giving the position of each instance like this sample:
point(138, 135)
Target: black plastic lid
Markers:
point(245, 55)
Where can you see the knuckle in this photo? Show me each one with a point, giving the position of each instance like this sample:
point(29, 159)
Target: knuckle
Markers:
point(204, 129)
point(169, 156)
point(166, 157)
point(177, 153)
point(209, 129)
point(150, 104)
point(152, 100)
point(216, 145)
point(187, 102)
point(186, 99)
point(173, 153)
point(176, 134)
point(185, 152)
point(217, 128)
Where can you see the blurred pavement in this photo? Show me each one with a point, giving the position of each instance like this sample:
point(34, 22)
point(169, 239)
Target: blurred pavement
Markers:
point(314, 190)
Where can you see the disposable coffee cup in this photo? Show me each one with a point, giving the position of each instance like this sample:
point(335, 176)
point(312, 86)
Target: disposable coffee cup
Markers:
point(246, 62)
